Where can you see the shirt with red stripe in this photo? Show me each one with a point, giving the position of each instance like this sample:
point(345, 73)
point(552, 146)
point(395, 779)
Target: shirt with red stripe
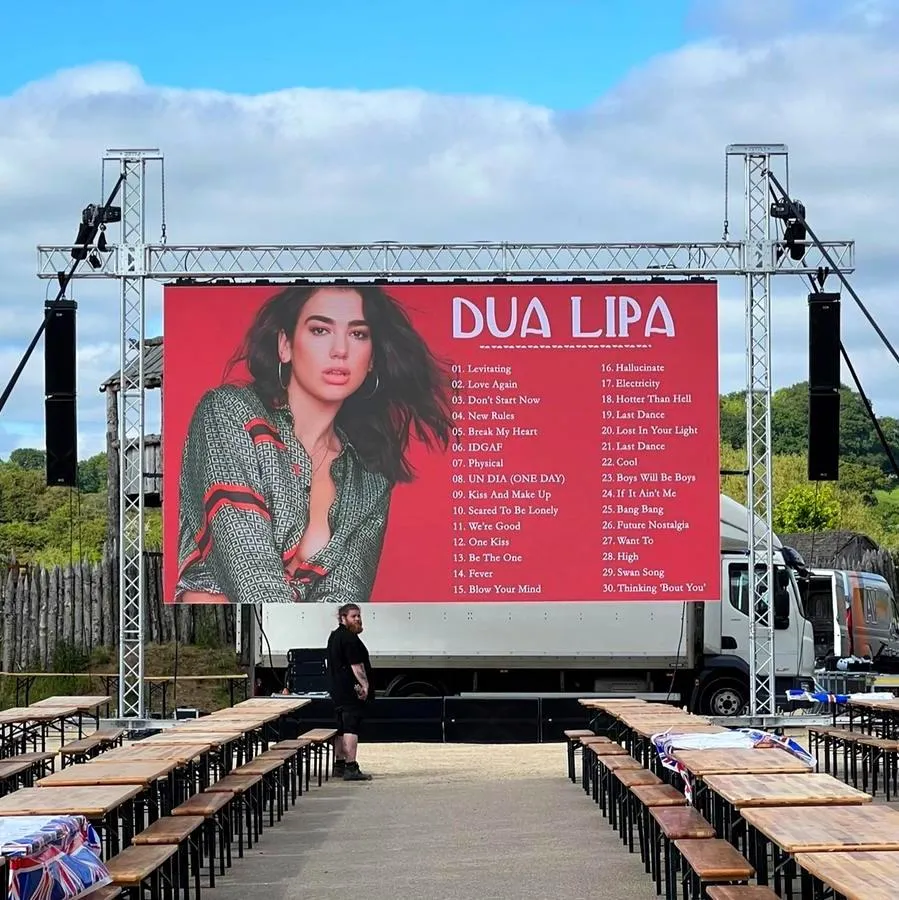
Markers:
point(244, 507)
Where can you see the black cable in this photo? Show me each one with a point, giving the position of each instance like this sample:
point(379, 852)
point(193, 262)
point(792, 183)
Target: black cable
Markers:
point(175, 615)
point(677, 659)
point(64, 280)
point(271, 659)
point(794, 213)
point(870, 409)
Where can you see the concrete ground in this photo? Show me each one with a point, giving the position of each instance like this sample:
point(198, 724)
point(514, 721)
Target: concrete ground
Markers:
point(443, 822)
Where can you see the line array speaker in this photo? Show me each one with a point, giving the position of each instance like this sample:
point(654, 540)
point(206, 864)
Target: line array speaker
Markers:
point(60, 389)
point(823, 342)
point(823, 387)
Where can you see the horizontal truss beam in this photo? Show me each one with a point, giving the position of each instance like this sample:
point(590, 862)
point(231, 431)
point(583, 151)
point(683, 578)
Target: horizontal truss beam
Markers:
point(481, 260)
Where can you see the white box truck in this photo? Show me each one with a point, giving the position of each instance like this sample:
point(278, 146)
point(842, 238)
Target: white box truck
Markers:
point(697, 650)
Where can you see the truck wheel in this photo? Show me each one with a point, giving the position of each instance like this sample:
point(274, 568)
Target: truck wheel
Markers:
point(414, 687)
point(724, 697)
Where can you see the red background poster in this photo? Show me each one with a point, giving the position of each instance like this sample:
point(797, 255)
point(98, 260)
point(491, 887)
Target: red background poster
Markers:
point(585, 463)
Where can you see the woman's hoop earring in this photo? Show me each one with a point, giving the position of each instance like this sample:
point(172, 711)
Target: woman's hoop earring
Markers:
point(374, 390)
point(281, 379)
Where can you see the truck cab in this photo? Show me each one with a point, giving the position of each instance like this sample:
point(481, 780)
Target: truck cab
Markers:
point(723, 686)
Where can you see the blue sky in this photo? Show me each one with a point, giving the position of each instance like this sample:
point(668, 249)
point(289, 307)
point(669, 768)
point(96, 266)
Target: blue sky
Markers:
point(559, 53)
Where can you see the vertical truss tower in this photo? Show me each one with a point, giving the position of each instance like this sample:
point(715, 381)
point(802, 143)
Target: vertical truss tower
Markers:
point(756, 257)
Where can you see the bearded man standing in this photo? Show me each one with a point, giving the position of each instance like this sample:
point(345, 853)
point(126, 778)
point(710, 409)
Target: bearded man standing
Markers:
point(350, 675)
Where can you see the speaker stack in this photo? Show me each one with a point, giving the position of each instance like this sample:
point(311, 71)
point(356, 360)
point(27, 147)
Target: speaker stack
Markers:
point(823, 387)
point(60, 419)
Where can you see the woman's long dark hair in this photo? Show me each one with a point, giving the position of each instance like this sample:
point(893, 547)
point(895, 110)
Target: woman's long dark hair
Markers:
point(411, 395)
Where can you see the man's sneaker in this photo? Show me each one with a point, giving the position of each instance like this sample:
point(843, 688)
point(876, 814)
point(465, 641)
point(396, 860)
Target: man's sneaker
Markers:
point(339, 768)
point(354, 773)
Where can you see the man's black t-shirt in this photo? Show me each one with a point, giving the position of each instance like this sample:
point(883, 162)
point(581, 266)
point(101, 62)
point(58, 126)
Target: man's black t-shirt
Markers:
point(346, 650)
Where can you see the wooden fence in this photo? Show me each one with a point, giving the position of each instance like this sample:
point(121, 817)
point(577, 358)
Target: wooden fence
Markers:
point(882, 562)
point(76, 608)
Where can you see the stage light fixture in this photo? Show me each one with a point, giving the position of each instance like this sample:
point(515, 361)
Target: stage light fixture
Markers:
point(793, 213)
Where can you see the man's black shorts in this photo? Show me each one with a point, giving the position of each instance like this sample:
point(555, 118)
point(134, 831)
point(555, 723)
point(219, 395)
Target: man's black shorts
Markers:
point(349, 719)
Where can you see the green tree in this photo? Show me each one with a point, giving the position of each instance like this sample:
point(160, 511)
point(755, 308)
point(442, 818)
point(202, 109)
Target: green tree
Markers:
point(807, 508)
point(22, 540)
point(865, 480)
point(20, 489)
point(29, 458)
point(732, 416)
point(92, 474)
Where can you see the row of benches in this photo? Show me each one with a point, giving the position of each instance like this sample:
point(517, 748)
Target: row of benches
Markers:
point(169, 855)
point(22, 769)
point(677, 844)
point(865, 758)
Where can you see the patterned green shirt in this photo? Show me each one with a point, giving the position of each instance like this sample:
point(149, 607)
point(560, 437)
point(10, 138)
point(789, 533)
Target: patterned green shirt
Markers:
point(244, 507)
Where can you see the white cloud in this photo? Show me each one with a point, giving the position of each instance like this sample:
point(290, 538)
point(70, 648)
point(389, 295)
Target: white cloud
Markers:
point(643, 163)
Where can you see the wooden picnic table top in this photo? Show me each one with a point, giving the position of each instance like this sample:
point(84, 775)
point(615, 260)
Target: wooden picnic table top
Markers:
point(813, 829)
point(19, 715)
point(855, 874)
point(207, 723)
point(214, 737)
point(120, 771)
point(631, 718)
point(286, 703)
point(739, 761)
point(648, 729)
point(81, 703)
point(92, 801)
point(181, 753)
point(251, 717)
point(882, 705)
point(807, 789)
point(603, 702)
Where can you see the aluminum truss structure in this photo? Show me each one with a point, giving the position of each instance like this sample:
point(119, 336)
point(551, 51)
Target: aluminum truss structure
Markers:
point(756, 258)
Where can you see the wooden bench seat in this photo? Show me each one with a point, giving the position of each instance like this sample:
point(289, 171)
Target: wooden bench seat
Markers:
point(87, 747)
point(294, 769)
point(323, 741)
point(234, 783)
point(654, 795)
point(38, 757)
point(180, 832)
point(710, 861)
point(741, 892)
point(261, 765)
point(294, 744)
point(274, 770)
point(82, 745)
point(632, 777)
point(214, 809)
point(681, 823)
point(628, 811)
point(319, 735)
point(241, 789)
point(169, 830)
point(140, 864)
point(664, 824)
point(202, 805)
point(574, 733)
point(604, 746)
